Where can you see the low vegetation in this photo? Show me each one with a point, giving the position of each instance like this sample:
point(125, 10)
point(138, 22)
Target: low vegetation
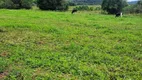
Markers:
point(48, 45)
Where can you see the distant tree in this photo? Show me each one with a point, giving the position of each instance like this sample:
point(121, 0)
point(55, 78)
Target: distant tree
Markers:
point(113, 6)
point(139, 2)
point(137, 8)
point(35, 1)
point(84, 8)
point(71, 3)
point(16, 1)
point(6, 3)
point(52, 4)
point(84, 2)
point(27, 4)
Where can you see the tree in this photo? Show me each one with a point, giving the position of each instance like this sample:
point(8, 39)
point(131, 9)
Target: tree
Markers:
point(113, 6)
point(27, 4)
point(139, 2)
point(84, 2)
point(16, 4)
point(137, 8)
point(52, 4)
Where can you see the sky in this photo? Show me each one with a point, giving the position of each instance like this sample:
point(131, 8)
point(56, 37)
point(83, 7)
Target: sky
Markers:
point(131, 0)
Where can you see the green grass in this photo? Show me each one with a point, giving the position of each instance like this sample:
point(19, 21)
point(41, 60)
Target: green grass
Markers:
point(47, 45)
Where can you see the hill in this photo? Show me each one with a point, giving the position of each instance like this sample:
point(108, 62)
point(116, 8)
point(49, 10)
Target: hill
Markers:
point(95, 2)
point(87, 1)
point(133, 2)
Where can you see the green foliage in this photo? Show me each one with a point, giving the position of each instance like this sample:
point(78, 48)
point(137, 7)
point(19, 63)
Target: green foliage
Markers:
point(16, 4)
point(113, 6)
point(6, 4)
point(87, 2)
point(26, 4)
point(137, 8)
point(84, 8)
point(71, 3)
point(52, 5)
point(35, 1)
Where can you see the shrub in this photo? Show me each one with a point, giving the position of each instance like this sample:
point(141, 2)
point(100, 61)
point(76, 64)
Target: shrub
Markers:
point(71, 4)
point(83, 8)
point(98, 8)
point(52, 4)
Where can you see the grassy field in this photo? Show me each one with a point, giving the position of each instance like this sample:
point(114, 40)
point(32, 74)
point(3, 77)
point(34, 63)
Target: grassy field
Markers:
point(47, 45)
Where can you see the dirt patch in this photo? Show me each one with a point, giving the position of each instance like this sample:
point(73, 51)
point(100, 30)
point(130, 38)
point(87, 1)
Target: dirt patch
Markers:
point(1, 31)
point(4, 54)
point(40, 42)
point(3, 74)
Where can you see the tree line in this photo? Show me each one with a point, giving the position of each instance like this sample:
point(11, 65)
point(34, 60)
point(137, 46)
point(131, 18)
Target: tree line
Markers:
point(89, 2)
point(27, 4)
point(16, 4)
point(110, 6)
point(114, 6)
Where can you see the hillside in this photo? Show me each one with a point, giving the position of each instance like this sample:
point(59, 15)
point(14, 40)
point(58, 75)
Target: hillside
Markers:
point(132, 2)
point(87, 1)
point(95, 1)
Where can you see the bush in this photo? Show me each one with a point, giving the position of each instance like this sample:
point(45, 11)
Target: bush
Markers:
point(83, 8)
point(98, 8)
point(16, 4)
point(71, 4)
point(52, 5)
